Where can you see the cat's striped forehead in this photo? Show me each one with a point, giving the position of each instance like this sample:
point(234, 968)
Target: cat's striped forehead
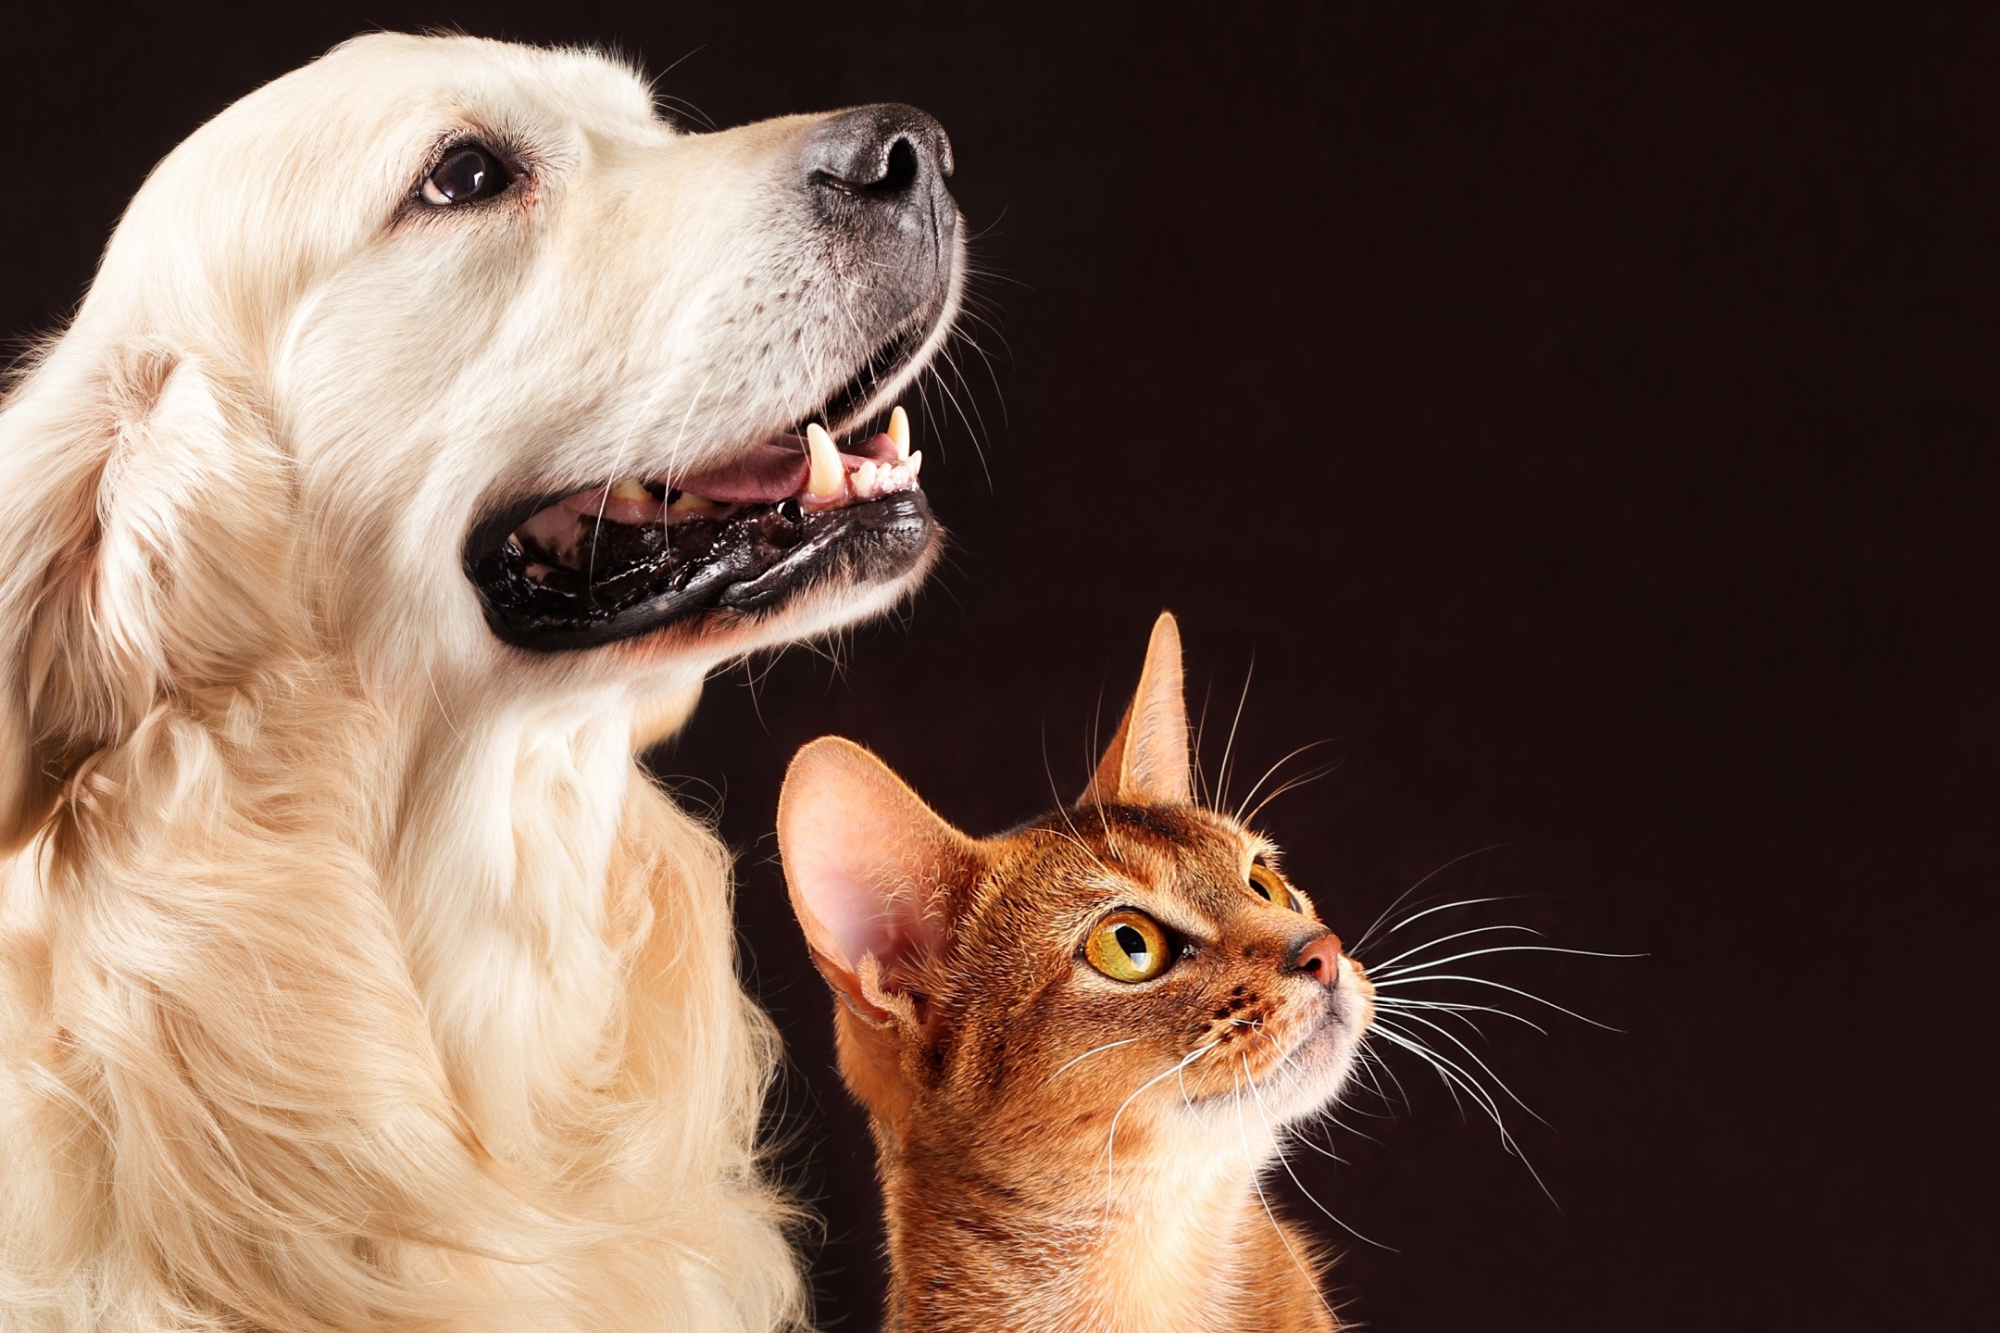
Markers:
point(1185, 853)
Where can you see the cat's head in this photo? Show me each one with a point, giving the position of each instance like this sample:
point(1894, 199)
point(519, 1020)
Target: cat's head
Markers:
point(1136, 955)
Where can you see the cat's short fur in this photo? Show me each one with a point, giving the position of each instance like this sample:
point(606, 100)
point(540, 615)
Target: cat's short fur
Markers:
point(1061, 1149)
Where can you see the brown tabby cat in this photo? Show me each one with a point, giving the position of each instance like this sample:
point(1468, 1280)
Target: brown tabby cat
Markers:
point(1077, 1041)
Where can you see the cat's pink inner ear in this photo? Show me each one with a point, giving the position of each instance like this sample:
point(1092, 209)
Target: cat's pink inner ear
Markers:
point(868, 864)
point(1147, 761)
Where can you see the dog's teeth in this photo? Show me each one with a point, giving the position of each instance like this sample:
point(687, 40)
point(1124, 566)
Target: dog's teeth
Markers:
point(915, 463)
point(827, 480)
point(899, 432)
point(630, 488)
point(864, 479)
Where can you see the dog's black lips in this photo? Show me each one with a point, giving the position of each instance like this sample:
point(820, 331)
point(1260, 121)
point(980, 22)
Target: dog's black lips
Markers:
point(638, 579)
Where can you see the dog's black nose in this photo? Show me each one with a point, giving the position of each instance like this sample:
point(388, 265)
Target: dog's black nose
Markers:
point(886, 152)
point(874, 178)
point(878, 164)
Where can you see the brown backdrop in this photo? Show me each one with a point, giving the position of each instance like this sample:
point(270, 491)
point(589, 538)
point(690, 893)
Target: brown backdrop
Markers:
point(1580, 413)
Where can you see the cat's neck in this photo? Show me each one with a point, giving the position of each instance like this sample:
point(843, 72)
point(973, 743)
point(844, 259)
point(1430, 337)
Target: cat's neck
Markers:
point(1060, 1237)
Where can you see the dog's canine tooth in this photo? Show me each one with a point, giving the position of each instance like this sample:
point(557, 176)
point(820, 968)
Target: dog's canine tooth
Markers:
point(630, 488)
point(899, 431)
point(828, 480)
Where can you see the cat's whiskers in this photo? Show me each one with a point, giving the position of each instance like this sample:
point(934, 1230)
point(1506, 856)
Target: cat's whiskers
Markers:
point(1111, 1138)
point(1388, 974)
point(1263, 1199)
point(1384, 968)
point(1456, 1009)
point(1325, 1114)
point(1455, 1078)
point(1399, 1016)
point(1241, 818)
point(1292, 784)
point(1473, 1056)
point(1180, 1078)
point(1368, 1062)
point(1404, 896)
point(1204, 794)
point(1278, 1137)
point(1062, 808)
point(1284, 1058)
point(1411, 979)
point(1229, 745)
point(1109, 1045)
point(1284, 1066)
point(1414, 917)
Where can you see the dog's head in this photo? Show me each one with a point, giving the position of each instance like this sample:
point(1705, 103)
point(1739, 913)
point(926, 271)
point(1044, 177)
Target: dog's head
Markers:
point(450, 361)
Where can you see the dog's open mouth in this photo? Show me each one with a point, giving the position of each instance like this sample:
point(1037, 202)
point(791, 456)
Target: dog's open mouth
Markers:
point(628, 557)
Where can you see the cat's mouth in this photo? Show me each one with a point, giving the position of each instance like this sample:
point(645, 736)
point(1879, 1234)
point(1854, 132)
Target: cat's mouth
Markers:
point(579, 568)
point(1322, 1058)
point(1299, 1063)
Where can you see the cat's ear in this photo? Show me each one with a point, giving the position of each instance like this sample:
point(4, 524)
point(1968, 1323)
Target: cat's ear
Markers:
point(869, 866)
point(1147, 761)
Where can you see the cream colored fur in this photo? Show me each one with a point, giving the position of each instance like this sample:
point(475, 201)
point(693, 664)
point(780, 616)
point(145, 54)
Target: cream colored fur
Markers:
point(352, 975)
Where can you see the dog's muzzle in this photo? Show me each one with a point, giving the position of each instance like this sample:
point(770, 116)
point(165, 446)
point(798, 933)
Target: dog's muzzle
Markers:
point(594, 563)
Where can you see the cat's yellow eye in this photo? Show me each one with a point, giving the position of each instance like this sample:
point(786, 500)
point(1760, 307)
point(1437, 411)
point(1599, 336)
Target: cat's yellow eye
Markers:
point(1264, 882)
point(1128, 946)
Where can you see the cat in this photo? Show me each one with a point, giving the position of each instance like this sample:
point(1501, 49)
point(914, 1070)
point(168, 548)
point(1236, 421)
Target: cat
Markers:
point(1077, 1041)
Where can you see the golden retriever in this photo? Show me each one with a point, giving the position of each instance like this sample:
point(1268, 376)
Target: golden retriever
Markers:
point(432, 426)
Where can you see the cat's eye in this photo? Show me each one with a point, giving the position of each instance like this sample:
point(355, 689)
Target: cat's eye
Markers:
point(1128, 946)
point(1264, 882)
point(467, 174)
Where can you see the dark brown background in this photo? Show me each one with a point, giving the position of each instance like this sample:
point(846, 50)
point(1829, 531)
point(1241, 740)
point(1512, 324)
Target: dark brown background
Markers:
point(1580, 413)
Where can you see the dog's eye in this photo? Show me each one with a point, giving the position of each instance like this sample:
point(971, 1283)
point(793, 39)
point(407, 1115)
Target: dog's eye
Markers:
point(466, 174)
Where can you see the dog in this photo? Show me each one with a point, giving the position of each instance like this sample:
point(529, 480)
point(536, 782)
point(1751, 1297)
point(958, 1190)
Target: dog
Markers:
point(438, 417)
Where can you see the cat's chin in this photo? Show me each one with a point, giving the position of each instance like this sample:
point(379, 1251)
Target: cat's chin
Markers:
point(1311, 1076)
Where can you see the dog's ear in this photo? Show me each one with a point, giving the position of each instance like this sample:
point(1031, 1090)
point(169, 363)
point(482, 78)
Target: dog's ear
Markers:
point(1147, 761)
point(147, 520)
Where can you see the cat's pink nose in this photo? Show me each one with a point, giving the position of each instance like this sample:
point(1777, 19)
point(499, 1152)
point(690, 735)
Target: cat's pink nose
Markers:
point(1320, 956)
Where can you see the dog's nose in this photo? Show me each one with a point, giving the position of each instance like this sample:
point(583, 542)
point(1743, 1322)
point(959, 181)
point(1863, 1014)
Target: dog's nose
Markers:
point(1319, 957)
point(886, 161)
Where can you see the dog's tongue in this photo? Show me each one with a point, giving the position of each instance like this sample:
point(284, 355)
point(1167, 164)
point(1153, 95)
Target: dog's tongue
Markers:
point(766, 474)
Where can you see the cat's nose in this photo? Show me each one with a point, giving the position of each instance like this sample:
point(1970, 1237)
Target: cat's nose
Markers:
point(1319, 955)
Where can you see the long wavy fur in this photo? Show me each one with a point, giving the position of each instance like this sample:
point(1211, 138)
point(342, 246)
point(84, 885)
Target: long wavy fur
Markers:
point(335, 993)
